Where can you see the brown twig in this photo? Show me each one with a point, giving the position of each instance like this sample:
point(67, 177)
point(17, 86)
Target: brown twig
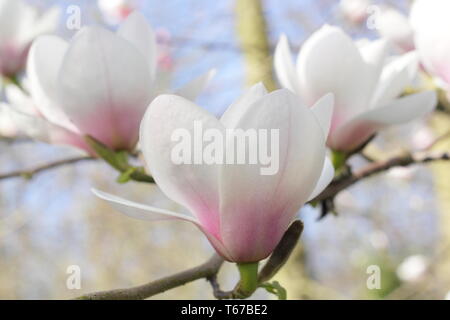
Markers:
point(378, 167)
point(28, 174)
point(206, 270)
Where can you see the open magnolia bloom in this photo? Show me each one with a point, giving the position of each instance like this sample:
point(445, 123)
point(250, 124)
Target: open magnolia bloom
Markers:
point(430, 22)
point(366, 89)
point(98, 84)
point(243, 212)
point(20, 24)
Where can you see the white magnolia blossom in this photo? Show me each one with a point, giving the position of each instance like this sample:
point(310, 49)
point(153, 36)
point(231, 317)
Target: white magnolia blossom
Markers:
point(98, 84)
point(367, 88)
point(116, 11)
point(394, 26)
point(20, 23)
point(244, 214)
point(431, 25)
point(355, 11)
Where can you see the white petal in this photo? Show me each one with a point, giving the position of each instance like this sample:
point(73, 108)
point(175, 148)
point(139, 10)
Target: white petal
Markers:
point(255, 204)
point(138, 31)
point(195, 87)
point(323, 110)
point(329, 61)
point(325, 179)
point(431, 24)
point(195, 186)
point(395, 78)
point(13, 14)
point(19, 100)
point(394, 26)
point(148, 213)
point(46, 23)
point(140, 211)
point(236, 110)
point(284, 66)
point(374, 53)
point(404, 109)
point(42, 130)
point(352, 134)
point(44, 60)
point(104, 87)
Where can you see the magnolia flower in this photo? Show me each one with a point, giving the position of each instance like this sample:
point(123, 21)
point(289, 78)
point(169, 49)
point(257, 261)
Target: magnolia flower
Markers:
point(115, 11)
point(243, 213)
point(20, 23)
point(99, 84)
point(366, 89)
point(355, 11)
point(430, 22)
point(394, 26)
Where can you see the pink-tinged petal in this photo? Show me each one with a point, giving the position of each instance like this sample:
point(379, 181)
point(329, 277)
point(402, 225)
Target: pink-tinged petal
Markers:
point(42, 130)
point(395, 78)
point(236, 111)
point(329, 61)
point(284, 65)
point(104, 87)
point(325, 178)
point(402, 110)
point(149, 213)
point(195, 87)
point(168, 120)
point(138, 31)
point(256, 209)
point(323, 110)
point(45, 59)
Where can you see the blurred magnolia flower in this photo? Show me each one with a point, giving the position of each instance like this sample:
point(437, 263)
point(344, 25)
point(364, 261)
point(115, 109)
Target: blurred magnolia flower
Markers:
point(394, 26)
point(116, 11)
point(412, 268)
point(379, 240)
point(430, 22)
point(99, 84)
point(243, 214)
point(355, 11)
point(20, 23)
point(447, 296)
point(366, 89)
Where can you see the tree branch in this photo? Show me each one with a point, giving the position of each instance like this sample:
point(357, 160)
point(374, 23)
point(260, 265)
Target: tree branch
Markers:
point(28, 174)
point(207, 270)
point(378, 167)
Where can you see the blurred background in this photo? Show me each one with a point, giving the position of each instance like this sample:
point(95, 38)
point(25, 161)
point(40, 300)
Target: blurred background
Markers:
point(399, 221)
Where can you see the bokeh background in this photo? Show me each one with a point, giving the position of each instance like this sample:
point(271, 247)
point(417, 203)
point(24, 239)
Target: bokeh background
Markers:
point(398, 221)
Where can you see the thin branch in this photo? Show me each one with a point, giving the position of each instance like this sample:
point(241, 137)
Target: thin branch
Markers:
point(378, 167)
point(28, 174)
point(206, 270)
